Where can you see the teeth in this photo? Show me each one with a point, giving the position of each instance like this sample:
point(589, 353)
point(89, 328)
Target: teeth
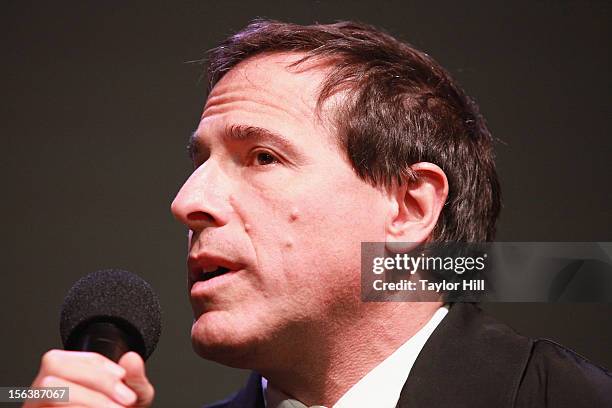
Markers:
point(211, 268)
point(206, 275)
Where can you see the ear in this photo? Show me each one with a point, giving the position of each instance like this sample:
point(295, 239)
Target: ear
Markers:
point(417, 207)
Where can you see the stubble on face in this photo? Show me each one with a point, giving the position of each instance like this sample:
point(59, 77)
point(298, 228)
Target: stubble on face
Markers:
point(295, 225)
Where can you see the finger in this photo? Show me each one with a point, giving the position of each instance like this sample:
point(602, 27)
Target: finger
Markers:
point(55, 359)
point(79, 396)
point(136, 378)
point(91, 370)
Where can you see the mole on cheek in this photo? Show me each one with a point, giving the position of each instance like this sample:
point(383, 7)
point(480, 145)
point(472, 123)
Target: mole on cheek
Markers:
point(294, 215)
point(247, 227)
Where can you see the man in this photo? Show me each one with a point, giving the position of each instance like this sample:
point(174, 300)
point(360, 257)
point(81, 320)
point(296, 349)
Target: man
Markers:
point(313, 140)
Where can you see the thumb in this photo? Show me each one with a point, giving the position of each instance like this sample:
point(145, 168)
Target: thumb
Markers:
point(136, 379)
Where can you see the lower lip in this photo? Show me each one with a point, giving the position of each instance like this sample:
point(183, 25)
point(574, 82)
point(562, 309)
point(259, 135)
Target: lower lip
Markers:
point(201, 287)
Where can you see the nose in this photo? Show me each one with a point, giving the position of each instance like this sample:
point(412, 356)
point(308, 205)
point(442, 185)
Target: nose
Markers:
point(203, 200)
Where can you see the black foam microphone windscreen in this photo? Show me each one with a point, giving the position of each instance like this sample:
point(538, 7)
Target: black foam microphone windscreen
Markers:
point(111, 312)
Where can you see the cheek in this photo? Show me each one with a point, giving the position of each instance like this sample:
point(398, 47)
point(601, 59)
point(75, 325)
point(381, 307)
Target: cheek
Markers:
point(310, 226)
point(289, 240)
point(266, 220)
point(327, 235)
point(353, 213)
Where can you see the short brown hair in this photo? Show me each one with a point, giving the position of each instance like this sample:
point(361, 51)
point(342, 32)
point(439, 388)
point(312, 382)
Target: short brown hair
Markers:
point(403, 108)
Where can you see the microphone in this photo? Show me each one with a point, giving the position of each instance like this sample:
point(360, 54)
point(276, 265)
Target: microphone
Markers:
point(111, 312)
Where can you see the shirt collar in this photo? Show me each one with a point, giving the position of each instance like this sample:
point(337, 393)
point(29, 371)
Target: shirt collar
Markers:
point(381, 387)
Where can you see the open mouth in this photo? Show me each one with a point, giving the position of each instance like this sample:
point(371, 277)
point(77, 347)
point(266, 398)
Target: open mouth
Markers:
point(204, 276)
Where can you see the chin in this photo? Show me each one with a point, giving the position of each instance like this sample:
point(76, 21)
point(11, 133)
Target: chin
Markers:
point(222, 344)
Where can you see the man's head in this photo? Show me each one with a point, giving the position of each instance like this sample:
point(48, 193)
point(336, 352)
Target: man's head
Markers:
point(314, 139)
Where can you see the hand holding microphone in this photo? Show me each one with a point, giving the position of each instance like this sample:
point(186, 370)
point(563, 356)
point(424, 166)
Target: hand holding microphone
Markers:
point(94, 380)
point(110, 323)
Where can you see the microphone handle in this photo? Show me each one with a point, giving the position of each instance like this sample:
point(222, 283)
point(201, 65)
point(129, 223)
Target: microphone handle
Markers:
point(102, 337)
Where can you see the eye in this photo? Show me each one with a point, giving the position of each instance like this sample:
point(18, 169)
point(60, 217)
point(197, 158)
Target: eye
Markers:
point(263, 158)
point(199, 157)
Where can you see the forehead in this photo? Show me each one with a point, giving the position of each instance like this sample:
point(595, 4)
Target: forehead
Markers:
point(266, 91)
point(272, 79)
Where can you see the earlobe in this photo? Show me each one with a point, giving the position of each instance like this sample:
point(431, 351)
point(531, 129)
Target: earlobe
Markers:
point(417, 205)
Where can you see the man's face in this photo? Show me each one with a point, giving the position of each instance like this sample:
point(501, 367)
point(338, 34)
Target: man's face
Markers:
point(275, 203)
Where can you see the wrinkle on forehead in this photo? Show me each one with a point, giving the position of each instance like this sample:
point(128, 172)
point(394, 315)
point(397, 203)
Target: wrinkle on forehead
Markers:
point(270, 80)
point(236, 95)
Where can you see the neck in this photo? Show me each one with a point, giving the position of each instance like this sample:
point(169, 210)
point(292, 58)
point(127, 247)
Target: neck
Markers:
point(325, 362)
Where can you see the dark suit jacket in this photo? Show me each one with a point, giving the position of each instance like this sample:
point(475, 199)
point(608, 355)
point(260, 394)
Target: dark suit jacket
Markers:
point(472, 361)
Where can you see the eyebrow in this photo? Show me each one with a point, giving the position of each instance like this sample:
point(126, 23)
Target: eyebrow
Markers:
point(246, 133)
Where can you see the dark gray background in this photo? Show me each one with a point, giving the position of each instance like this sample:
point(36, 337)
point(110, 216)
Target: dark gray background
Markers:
point(98, 101)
